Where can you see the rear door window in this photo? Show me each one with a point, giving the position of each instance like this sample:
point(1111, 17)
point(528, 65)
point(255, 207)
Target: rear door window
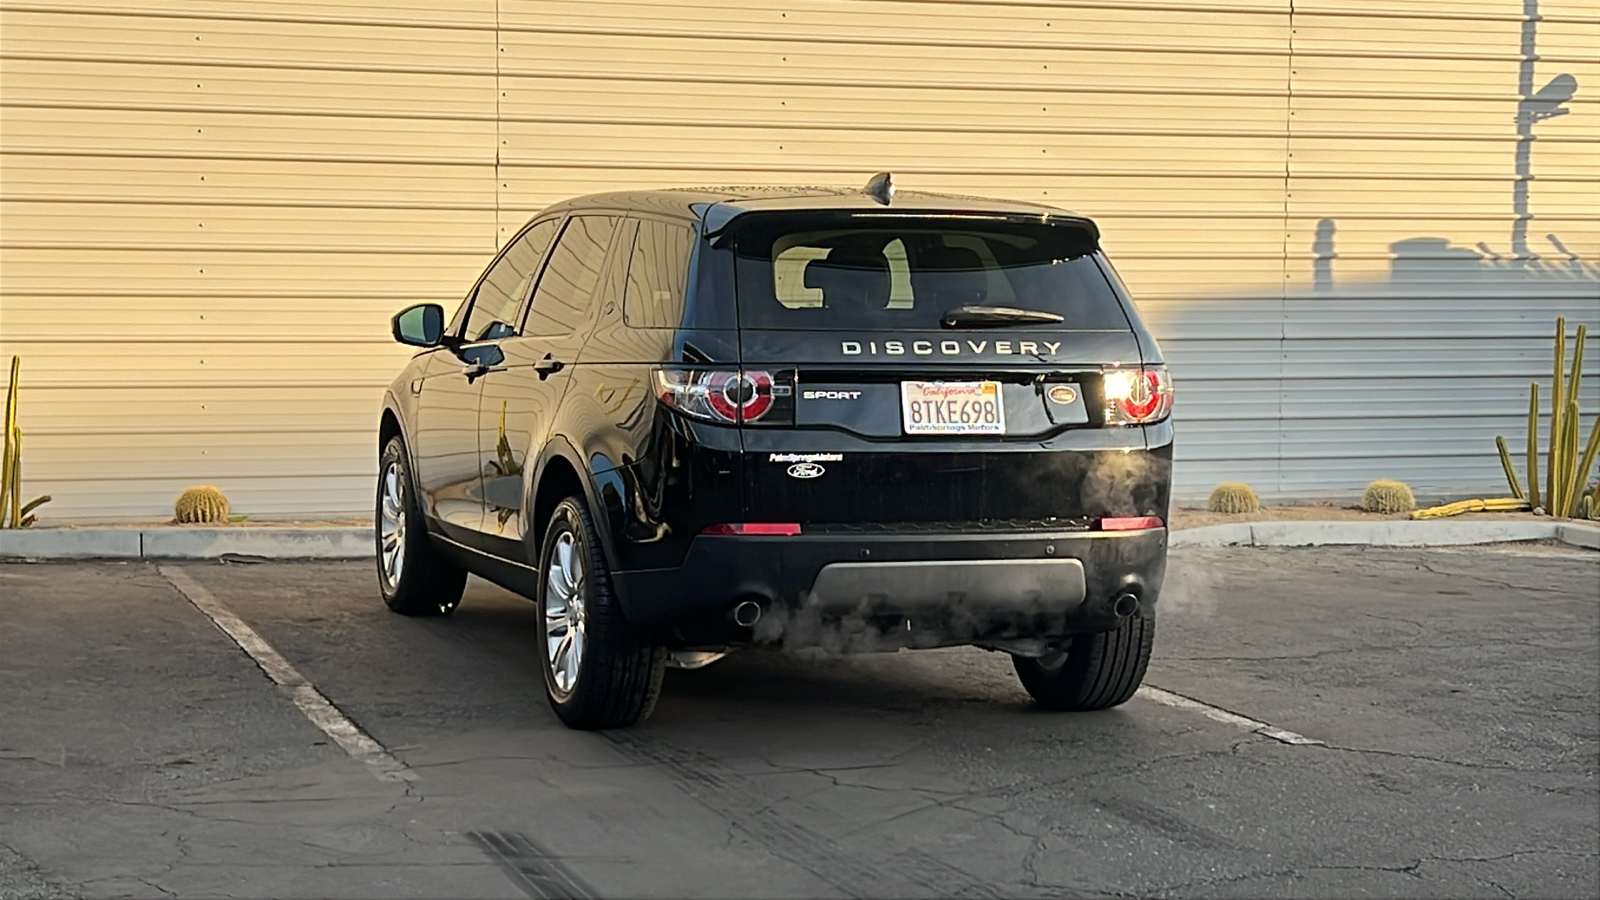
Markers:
point(562, 300)
point(907, 274)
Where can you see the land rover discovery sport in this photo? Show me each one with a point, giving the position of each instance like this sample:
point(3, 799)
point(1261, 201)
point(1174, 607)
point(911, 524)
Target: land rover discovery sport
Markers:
point(689, 421)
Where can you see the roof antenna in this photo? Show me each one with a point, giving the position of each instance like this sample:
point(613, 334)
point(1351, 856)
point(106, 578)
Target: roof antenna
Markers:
point(880, 188)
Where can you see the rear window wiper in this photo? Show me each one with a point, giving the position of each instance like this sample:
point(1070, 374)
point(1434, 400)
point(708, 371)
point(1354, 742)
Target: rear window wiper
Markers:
point(981, 316)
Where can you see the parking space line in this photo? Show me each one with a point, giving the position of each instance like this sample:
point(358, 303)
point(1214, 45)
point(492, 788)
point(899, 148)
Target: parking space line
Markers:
point(1217, 713)
point(305, 695)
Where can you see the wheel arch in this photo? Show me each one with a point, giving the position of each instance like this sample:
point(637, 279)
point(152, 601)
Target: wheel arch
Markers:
point(561, 474)
point(389, 428)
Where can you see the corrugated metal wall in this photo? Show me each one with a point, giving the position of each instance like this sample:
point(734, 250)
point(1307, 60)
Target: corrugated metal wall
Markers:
point(211, 208)
point(1412, 318)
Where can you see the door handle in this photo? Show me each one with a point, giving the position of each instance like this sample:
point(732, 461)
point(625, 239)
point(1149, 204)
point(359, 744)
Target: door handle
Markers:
point(548, 366)
point(481, 359)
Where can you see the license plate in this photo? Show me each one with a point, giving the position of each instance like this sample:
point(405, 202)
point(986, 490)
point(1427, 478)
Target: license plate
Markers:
point(952, 407)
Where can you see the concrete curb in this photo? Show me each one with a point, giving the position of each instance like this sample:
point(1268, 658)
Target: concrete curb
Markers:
point(315, 542)
point(327, 542)
point(1391, 533)
point(70, 543)
point(345, 542)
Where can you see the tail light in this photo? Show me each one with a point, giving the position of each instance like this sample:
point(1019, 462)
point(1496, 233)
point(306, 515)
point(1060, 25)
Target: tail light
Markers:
point(725, 396)
point(1137, 396)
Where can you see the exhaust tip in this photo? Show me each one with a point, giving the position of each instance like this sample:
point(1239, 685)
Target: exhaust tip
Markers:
point(746, 613)
point(1125, 605)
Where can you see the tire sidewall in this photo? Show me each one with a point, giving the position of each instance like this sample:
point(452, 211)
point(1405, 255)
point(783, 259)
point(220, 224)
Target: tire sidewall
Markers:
point(394, 453)
point(429, 585)
point(1100, 670)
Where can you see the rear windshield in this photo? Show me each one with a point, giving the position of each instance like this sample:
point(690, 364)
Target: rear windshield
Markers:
point(908, 274)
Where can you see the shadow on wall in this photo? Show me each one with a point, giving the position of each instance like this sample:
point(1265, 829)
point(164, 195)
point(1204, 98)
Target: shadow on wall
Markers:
point(1419, 268)
point(1426, 259)
point(1291, 390)
point(1423, 261)
point(1308, 374)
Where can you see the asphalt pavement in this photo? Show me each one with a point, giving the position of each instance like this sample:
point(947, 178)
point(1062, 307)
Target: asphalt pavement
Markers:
point(1448, 703)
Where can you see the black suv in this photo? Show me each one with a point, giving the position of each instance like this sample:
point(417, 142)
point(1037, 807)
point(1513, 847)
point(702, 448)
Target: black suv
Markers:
point(687, 421)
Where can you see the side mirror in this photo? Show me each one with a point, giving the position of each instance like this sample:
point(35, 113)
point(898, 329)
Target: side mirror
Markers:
point(420, 326)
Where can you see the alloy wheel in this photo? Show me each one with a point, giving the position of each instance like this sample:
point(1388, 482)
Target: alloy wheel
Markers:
point(564, 613)
point(392, 526)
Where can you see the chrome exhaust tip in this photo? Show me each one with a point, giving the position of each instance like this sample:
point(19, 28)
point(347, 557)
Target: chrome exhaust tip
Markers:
point(1125, 605)
point(746, 613)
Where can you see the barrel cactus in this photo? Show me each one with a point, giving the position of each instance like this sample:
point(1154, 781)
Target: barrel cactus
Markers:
point(201, 504)
point(1233, 497)
point(1385, 496)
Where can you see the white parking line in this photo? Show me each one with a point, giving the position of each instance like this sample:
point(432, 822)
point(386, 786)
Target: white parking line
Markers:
point(1217, 713)
point(305, 695)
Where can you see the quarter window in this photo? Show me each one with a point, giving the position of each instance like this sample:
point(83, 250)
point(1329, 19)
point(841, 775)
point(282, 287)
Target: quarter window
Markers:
point(562, 300)
point(657, 275)
point(500, 295)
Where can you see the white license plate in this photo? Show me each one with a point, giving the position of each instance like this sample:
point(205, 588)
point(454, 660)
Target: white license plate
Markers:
point(952, 407)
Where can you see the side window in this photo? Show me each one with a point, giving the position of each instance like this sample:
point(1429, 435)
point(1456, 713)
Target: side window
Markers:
point(561, 301)
point(658, 274)
point(500, 295)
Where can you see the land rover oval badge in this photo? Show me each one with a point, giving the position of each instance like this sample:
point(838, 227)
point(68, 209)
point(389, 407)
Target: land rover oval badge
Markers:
point(1062, 394)
point(805, 470)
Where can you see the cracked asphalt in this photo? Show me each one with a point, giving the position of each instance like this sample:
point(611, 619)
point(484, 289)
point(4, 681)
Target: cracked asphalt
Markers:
point(1457, 694)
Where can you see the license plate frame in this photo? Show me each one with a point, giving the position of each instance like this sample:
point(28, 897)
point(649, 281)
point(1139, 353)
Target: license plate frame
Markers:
point(926, 408)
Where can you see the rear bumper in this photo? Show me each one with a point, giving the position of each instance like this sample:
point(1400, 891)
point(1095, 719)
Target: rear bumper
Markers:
point(946, 589)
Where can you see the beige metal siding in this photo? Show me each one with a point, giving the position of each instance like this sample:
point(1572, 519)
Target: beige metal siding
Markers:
point(209, 211)
point(1416, 345)
point(210, 207)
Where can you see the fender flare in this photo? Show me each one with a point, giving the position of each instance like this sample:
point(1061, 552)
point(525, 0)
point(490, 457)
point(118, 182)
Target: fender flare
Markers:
point(393, 406)
point(560, 447)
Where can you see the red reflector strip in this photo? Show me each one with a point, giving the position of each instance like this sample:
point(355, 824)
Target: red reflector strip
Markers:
point(782, 529)
point(1130, 523)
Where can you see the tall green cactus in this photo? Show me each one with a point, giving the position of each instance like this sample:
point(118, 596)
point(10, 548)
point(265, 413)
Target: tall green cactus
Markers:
point(1566, 471)
point(1533, 445)
point(13, 512)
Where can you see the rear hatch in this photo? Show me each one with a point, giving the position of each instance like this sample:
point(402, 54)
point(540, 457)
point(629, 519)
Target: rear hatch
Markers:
point(936, 372)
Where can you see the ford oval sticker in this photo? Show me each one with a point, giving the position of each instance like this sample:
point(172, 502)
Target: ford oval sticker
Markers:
point(805, 470)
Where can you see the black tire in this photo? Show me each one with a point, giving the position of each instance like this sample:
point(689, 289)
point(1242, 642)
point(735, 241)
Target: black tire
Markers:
point(1096, 671)
point(427, 583)
point(616, 678)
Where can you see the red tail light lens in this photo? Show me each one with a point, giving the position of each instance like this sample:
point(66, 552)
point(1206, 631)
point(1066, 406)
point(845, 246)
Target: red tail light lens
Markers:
point(725, 396)
point(781, 529)
point(1130, 523)
point(1137, 396)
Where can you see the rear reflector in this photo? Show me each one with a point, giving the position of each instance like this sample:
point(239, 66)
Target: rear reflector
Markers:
point(783, 529)
point(1130, 523)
